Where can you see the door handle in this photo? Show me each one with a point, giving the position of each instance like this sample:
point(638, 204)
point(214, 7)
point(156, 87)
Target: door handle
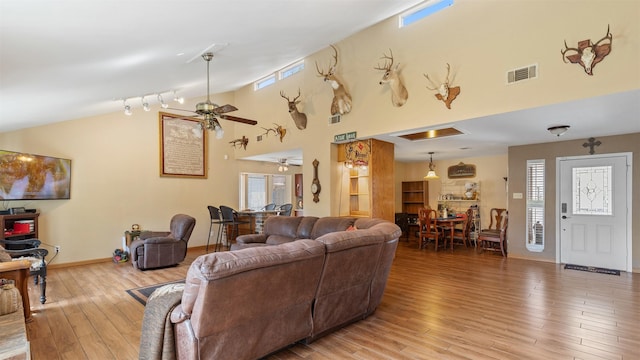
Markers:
point(564, 217)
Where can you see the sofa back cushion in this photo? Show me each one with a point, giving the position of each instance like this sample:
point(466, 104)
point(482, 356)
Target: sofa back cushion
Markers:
point(330, 224)
point(239, 301)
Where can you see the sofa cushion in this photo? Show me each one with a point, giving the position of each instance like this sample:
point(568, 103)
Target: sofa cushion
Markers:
point(330, 224)
point(286, 226)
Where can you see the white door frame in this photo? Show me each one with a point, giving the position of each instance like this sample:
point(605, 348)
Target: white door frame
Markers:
point(629, 158)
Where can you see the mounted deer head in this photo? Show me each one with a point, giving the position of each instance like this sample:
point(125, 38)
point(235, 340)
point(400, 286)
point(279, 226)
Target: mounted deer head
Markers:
point(300, 119)
point(391, 76)
point(341, 103)
point(281, 131)
point(588, 54)
point(240, 142)
point(445, 93)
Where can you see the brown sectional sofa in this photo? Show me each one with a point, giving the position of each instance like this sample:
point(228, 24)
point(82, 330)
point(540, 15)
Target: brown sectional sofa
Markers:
point(256, 299)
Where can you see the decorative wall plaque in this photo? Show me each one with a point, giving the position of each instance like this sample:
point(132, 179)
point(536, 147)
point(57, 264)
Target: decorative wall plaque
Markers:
point(461, 171)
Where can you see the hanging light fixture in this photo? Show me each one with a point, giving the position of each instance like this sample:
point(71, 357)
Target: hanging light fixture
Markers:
point(558, 130)
point(211, 123)
point(431, 175)
point(127, 108)
point(283, 165)
point(163, 104)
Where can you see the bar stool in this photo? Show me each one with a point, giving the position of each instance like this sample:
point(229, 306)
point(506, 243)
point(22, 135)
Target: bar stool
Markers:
point(216, 218)
point(230, 217)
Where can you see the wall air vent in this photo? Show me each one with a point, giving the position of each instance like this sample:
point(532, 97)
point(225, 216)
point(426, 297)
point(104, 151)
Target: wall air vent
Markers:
point(528, 72)
point(334, 119)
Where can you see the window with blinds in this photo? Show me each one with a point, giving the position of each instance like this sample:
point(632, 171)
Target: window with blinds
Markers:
point(535, 205)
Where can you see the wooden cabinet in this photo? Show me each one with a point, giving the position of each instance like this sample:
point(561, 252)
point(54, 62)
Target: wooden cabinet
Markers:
point(19, 226)
point(415, 194)
point(371, 188)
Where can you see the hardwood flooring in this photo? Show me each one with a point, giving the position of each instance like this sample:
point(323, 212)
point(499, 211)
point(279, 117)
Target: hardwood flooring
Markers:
point(444, 305)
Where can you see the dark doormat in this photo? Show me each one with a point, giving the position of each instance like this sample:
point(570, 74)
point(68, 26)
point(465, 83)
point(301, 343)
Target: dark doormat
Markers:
point(592, 269)
point(142, 294)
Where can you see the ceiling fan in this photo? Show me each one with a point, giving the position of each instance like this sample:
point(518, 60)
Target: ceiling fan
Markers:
point(210, 112)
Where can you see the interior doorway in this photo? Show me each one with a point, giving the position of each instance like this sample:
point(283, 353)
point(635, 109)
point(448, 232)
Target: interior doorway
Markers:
point(594, 211)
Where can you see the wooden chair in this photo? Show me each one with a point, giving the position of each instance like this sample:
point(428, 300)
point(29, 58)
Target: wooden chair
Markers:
point(495, 219)
point(428, 229)
point(493, 240)
point(462, 233)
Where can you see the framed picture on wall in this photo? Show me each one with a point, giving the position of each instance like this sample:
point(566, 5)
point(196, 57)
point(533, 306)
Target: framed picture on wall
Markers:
point(183, 147)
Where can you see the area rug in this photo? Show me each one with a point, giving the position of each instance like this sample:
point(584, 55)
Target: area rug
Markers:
point(592, 269)
point(142, 294)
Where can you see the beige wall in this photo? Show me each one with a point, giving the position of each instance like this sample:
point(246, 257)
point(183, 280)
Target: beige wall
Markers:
point(518, 156)
point(115, 180)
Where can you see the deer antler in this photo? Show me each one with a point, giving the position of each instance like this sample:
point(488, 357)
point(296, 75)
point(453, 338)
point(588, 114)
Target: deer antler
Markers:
point(448, 71)
point(332, 67)
point(284, 96)
point(567, 48)
point(386, 67)
point(435, 87)
point(241, 142)
point(607, 36)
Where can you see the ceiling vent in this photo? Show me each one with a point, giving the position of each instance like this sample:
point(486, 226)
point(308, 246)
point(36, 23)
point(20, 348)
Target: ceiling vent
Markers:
point(528, 72)
point(334, 119)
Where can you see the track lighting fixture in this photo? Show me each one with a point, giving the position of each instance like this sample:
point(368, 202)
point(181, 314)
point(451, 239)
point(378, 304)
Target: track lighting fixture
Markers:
point(127, 108)
point(177, 99)
point(145, 104)
point(163, 104)
point(431, 175)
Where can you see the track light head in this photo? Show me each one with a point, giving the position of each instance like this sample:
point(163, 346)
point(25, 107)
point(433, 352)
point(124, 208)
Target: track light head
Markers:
point(127, 108)
point(163, 104)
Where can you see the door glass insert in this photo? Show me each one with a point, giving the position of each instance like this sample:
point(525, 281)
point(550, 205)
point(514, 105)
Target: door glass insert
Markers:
point(591, 189)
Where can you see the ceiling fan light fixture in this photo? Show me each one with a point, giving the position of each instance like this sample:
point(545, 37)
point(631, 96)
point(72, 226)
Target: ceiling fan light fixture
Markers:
point(558, 130)
point(431, 174)
point(283, 165)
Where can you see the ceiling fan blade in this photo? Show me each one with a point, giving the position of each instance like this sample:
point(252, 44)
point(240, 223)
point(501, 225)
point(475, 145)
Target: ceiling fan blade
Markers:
point(238, 119)
point(224, 109)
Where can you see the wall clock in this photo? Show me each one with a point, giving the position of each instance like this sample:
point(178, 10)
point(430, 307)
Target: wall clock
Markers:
point(315, 184)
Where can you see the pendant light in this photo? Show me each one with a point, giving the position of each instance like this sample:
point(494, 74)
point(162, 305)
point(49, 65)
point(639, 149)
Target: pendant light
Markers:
point(431, 175)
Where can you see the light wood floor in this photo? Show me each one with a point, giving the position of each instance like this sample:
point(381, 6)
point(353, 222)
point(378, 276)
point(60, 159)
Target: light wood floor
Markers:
point(443, 305)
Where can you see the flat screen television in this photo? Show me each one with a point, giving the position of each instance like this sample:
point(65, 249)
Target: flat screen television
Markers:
point(34, 177)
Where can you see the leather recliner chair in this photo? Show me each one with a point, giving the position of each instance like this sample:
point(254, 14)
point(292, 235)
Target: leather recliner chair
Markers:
point(155, 249)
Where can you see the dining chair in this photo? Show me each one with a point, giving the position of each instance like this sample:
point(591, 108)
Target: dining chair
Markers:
point(231, 220)
point(428, 227)
point(489, 239)
point(462, 233)
point(495, 219)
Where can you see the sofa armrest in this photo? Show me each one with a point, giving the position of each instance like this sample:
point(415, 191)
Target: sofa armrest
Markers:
point(152, 234)
point(251, 239)
point(159, 240)
point(177, 315)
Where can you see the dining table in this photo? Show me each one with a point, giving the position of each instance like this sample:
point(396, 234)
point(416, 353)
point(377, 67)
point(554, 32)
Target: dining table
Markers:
point(449, 223)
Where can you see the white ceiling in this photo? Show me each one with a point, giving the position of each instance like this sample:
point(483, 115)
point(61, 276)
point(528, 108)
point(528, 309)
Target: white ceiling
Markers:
point(69, 59)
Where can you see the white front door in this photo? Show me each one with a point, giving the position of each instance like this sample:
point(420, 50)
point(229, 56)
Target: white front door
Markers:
point(594, 210)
